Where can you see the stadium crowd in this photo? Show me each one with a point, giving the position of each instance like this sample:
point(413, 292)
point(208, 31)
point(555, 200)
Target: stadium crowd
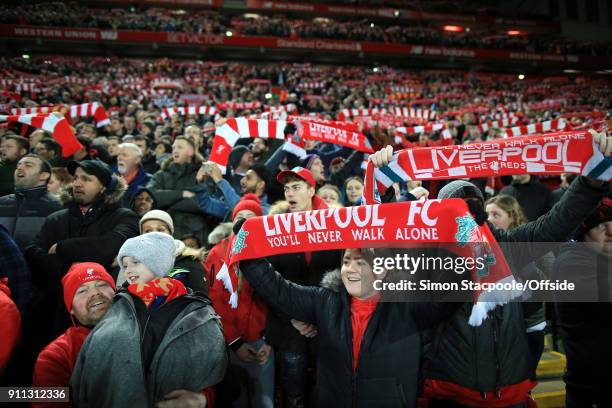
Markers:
point(214, 22)
point(112, 259)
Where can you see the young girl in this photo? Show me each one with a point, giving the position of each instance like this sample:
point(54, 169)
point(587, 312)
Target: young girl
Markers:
point(156, 342)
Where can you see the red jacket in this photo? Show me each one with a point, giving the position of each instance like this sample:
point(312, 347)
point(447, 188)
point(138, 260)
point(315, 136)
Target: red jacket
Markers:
point(55, 363)
point(248, 321)
point(11, 325)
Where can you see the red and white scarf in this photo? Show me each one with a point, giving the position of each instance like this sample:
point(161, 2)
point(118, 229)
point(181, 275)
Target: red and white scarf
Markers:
point(542, 127)
point(381, 225)
point(58, 126)
point(227, 135)
point(84, 110)
point(555, 153)
point(187, 110)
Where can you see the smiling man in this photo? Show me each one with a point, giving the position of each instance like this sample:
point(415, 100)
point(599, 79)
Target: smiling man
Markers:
point(88, 294)
point(91, 228)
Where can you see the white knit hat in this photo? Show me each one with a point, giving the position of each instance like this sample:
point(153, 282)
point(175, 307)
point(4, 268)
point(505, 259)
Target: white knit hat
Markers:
point(155, 250)
point(160, 216)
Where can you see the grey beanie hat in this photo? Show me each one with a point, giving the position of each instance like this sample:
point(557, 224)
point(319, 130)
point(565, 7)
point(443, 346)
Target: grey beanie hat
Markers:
point(460, 189)
point(155, 250)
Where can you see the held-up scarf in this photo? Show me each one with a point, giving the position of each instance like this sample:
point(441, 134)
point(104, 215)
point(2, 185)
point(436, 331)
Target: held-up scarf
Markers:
point(381, 225)
point(227, 135)
point(83, 110)
point(158, 291)
point(58, 126)
point(187, 110)
point(556, 153)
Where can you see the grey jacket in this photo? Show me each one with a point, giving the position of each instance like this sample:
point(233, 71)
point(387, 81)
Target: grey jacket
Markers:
point(109, 370)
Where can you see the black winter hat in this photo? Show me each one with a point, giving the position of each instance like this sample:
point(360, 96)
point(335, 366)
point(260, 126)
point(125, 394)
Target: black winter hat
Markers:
point(94, 167)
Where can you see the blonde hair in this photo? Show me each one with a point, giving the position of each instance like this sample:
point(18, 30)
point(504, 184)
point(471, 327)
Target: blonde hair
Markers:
point(511, 207)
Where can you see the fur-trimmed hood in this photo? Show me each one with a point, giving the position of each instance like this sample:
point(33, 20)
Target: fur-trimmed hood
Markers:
point(220, 232)
point(65, 195)
point(332, 280)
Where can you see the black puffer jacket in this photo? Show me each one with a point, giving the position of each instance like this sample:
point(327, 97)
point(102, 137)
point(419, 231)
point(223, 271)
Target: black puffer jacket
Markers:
point(24, 213)
point(389, 358)
point(494, 355)
point(92, 237)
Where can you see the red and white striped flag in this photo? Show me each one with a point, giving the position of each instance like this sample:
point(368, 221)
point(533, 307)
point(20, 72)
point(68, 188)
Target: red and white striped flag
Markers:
point(57, 125)
point(227, 135)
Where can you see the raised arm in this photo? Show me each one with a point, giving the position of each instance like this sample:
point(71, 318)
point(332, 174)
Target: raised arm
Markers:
point(299, 302)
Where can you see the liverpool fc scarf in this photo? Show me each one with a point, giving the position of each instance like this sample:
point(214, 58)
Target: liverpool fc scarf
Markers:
point(556, 153)
point(381, 225)
point(227, 135)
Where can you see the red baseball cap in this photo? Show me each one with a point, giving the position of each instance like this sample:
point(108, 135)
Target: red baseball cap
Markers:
point(300, 172)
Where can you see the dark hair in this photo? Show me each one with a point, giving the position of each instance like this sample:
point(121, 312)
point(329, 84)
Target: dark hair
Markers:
point(290, 129)
point(141, 138)
point(192, 236)
point(167, 146)
point(262, 172)
point(45, 167)
point(52, 145)
point(21, 141)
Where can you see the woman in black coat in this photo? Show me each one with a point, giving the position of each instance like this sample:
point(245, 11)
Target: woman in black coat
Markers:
point(383, 335)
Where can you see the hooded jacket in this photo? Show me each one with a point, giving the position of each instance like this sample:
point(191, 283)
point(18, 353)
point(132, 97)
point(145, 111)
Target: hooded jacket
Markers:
point(141, 189)
point(24, 213)
point(490, 362)
point(191, 354)
point(389, 358)
point(95, 236)
point(167, 186)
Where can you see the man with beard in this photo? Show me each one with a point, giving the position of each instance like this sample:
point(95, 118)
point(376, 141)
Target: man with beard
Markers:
point(88, 294)
point(12, 148)
point(130, 168)
point(91, 228)
point(24, 212)
point(254, 181)
point(143, 201)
